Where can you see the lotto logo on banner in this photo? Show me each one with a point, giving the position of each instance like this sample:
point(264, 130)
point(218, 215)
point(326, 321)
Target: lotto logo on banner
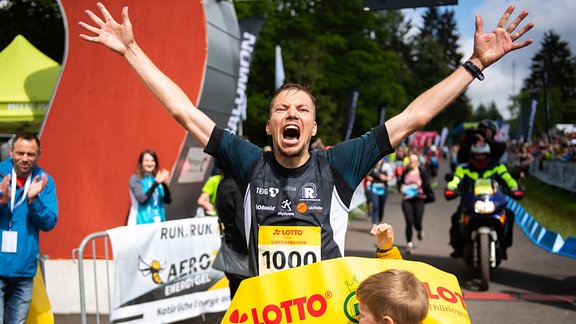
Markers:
point(325, 292)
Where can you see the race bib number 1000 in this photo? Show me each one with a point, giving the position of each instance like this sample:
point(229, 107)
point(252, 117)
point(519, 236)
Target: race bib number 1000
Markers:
point(283, 247)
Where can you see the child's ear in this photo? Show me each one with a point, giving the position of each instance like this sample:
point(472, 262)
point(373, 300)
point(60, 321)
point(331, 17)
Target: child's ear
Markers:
point(387, 320)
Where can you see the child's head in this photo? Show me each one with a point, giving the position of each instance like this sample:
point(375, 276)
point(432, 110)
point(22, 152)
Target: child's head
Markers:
point(392, 296)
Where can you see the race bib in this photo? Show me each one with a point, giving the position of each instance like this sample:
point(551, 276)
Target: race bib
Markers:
point(410, 190)
point(284, 247)
point(434, 160)
point(379, 189)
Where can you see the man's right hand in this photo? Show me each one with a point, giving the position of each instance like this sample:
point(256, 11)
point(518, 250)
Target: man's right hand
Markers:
point(117, 37)
point(5, 189)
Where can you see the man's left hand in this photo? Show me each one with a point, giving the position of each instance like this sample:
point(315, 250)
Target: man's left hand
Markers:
point(37, 185)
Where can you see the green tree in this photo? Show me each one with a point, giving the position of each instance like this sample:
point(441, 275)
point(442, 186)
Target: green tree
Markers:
point(398, 29)
point(552, 70)
point(480, 112)
point(494, 113)
point(333, 46)
point(330, 46)
point(483, 112)
point(436, 56)
point(39, 21)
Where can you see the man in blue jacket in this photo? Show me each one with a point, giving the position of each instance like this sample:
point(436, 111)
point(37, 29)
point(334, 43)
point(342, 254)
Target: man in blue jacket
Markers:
point(28, 204)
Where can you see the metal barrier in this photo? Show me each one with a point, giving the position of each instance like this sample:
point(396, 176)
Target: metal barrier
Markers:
point(98, 276)
point(555, 173)
point(90, 241)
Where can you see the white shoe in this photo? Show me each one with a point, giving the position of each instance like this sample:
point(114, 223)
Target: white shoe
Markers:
point(409, 248)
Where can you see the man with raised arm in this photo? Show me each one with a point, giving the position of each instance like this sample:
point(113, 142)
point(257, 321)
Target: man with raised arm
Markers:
point(296, 201)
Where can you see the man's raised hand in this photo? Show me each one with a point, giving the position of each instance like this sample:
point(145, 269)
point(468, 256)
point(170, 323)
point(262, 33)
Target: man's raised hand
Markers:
point(489, 48)
point(117, 37)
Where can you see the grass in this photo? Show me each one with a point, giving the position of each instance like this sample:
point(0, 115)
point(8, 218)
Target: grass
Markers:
point(553, 208)
point(357, 212)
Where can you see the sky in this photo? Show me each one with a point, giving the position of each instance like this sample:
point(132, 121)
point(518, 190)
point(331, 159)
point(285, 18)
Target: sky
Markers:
point(505, 76)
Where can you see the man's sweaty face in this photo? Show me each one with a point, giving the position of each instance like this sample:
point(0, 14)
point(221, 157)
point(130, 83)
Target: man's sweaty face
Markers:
point(292, 123)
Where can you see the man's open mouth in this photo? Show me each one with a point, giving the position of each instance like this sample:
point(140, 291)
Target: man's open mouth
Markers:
point(291, 132)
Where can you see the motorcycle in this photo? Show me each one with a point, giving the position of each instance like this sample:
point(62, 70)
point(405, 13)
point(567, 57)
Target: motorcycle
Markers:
point(483, 225)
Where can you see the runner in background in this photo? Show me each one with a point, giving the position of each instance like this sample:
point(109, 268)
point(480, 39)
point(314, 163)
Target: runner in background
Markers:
point(433, 161)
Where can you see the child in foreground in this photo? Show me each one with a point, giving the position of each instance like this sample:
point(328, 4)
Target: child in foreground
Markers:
point(393, 296)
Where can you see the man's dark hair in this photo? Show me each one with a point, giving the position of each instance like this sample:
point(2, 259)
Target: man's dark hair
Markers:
point(292, 87)
point(29, 136)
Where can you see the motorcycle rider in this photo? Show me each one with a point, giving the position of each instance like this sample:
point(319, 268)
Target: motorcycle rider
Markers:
point(481, 166)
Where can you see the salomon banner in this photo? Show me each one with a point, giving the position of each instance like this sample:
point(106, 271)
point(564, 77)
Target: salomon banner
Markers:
point(249, 29)
point(163, 272)
point(325, 292)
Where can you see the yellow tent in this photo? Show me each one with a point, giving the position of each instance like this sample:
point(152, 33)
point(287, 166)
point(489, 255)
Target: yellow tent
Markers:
point(27, 81)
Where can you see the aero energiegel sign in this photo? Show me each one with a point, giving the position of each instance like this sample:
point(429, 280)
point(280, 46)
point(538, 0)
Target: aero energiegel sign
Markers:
point(325, 292)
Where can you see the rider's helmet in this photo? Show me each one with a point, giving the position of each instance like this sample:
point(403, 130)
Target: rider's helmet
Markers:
point(488, 124)
point(480, 154)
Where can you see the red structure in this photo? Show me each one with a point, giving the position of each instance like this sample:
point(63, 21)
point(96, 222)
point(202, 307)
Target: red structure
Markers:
point(102, 116)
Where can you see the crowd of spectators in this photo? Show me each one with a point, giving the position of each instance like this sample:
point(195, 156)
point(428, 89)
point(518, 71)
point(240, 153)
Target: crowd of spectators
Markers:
point(519, 154)
point(560, 147)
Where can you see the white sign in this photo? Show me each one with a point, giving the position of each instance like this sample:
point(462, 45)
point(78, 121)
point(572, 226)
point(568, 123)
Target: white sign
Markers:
point(164, 271)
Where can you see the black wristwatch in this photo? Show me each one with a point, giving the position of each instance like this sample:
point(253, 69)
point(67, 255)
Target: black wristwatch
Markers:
point(383, 251)
point(474, 70)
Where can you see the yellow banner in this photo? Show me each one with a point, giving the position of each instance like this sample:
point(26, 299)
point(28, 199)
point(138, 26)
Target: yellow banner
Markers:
point(325, 292)
point(40, 308)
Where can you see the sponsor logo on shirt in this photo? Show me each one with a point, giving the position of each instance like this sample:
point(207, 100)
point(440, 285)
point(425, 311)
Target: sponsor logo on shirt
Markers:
point(286, 207)
point(264, 207)
point(272, 192)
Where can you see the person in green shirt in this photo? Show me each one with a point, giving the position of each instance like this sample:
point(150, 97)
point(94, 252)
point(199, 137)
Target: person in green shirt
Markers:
point(207, 199)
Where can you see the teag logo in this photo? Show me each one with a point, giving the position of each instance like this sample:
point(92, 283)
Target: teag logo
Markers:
point(272, 191)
